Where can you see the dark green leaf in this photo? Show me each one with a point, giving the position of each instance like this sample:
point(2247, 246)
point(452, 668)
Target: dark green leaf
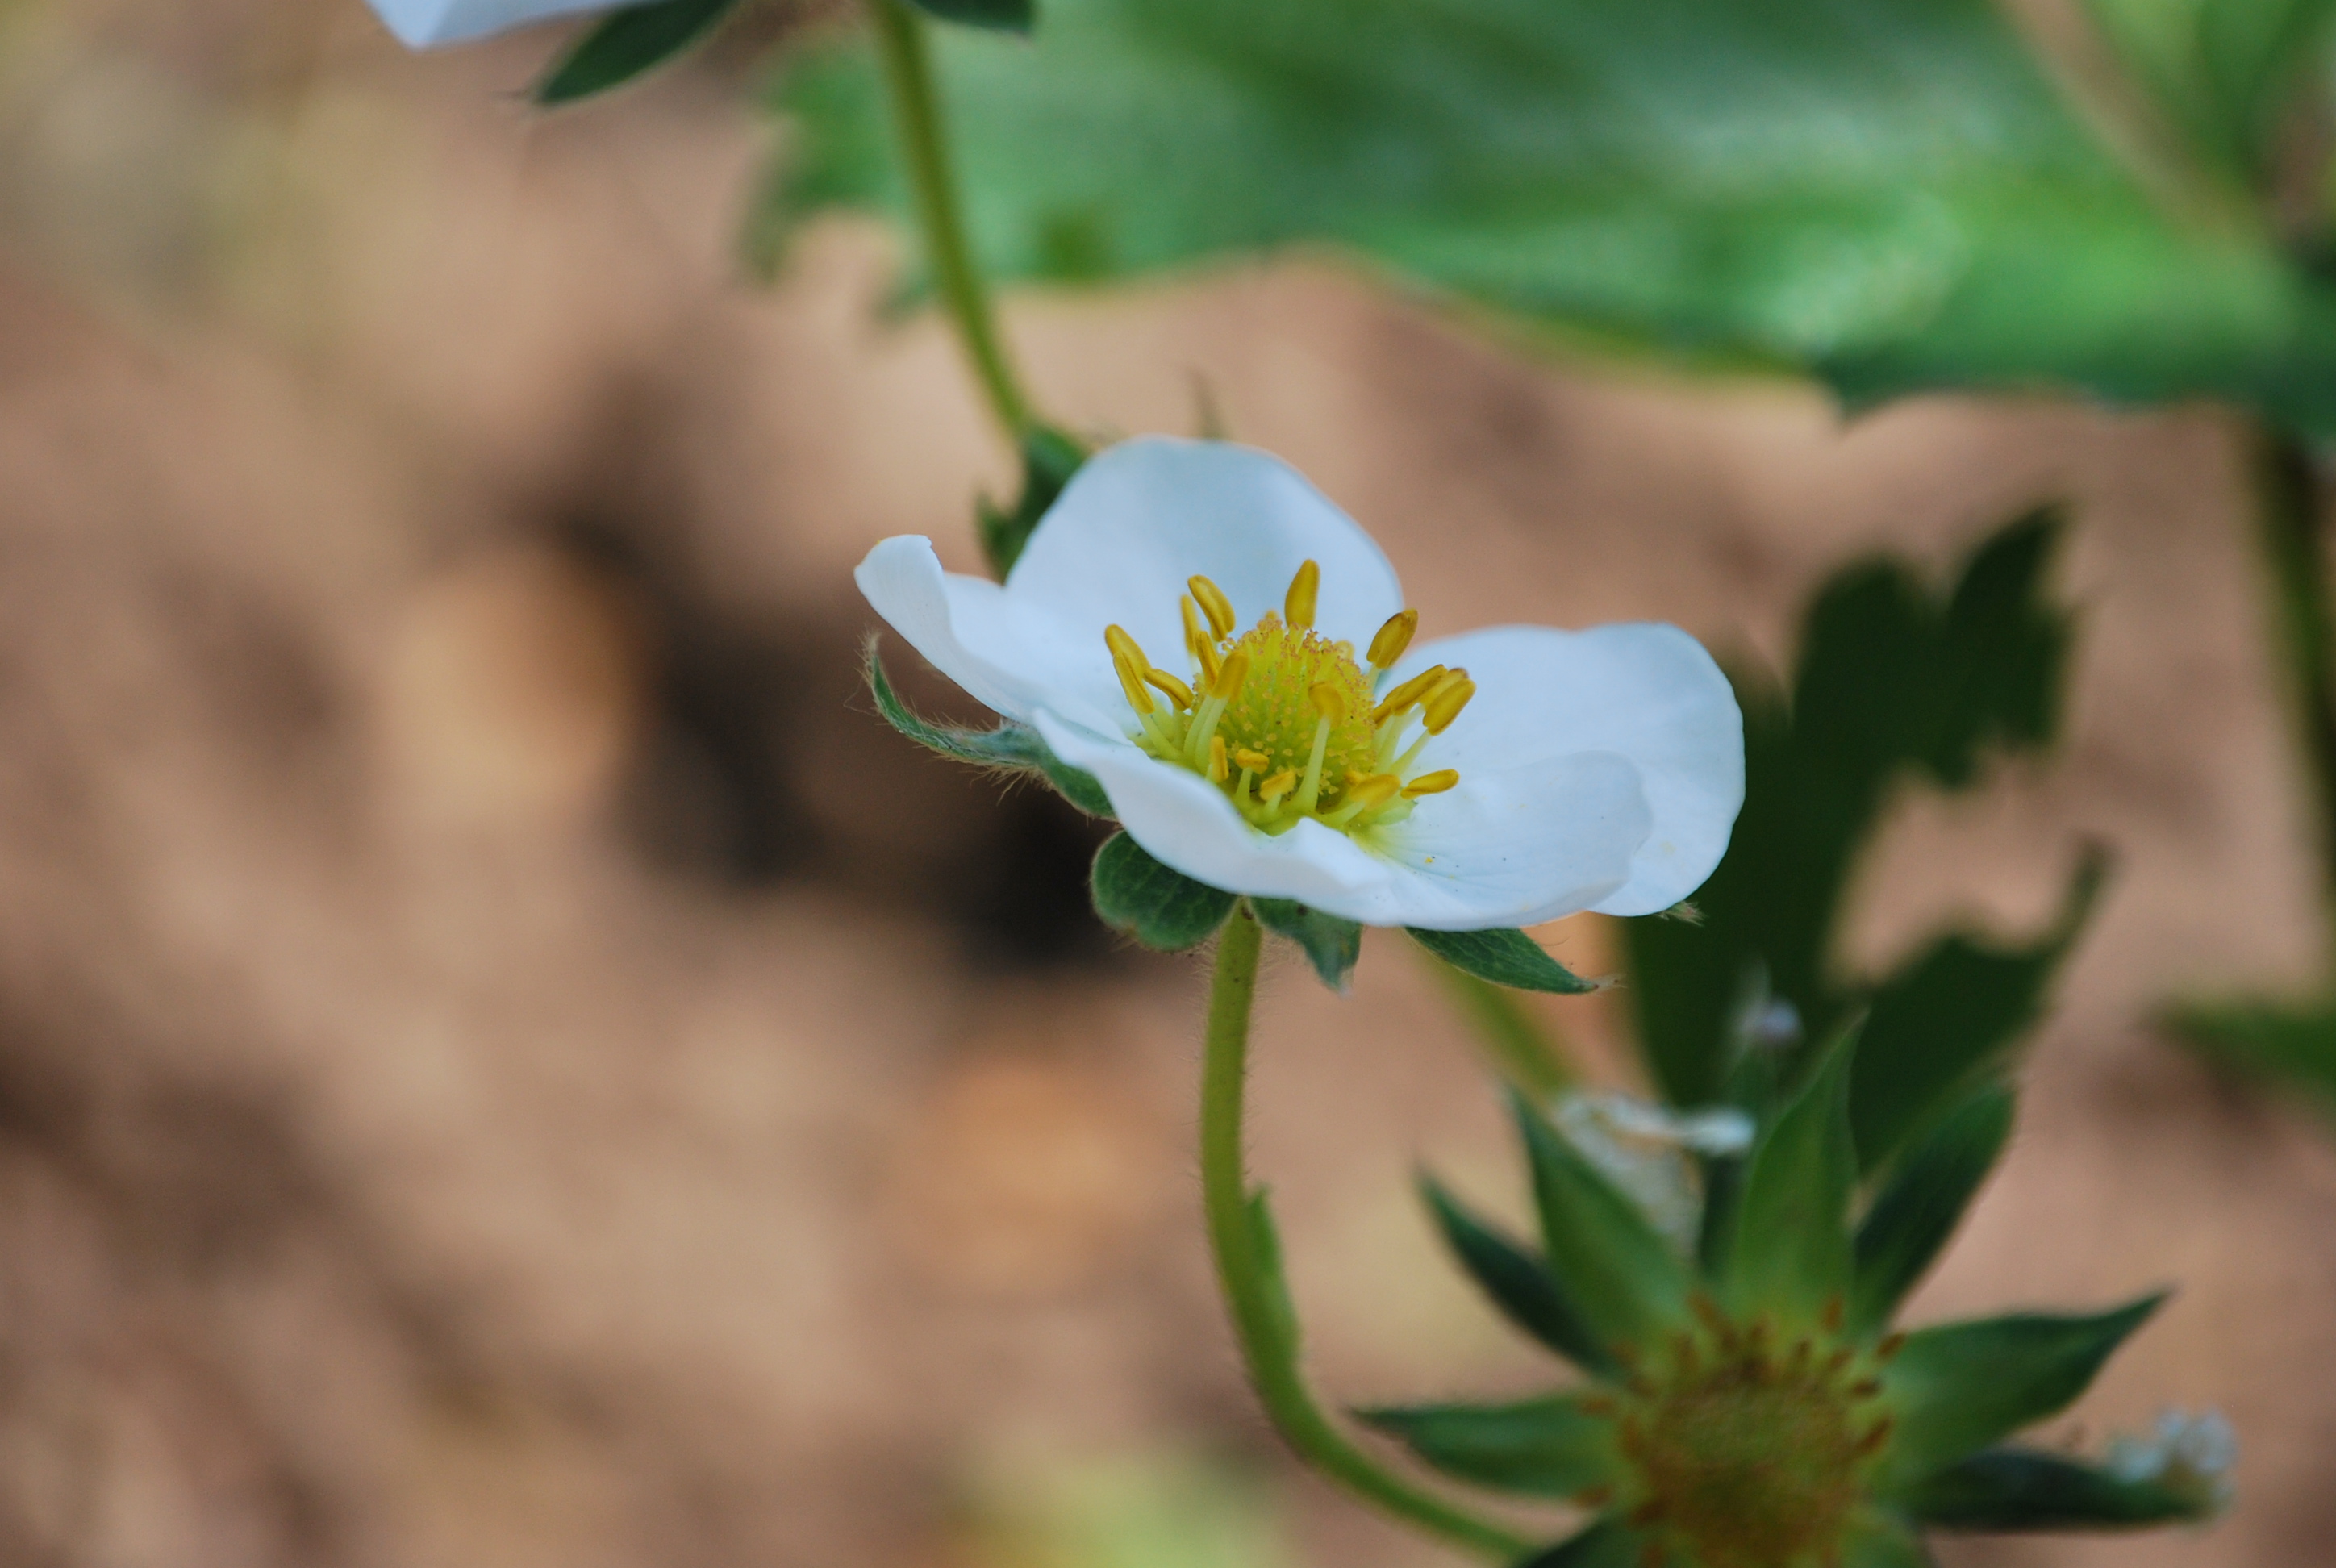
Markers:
point(999, 16)
point(2296, 1044)
point(1606, 1544)
point(1158, 907)
point(1506, 957)
point(1049, 459)
point(1790, 1249)
point(628, 43)
point(1332, 945)
point(1911, 1222)
point(1614, 1266)
point(1011, 746)
point(1883, 1540)
point(1953, 1017)
point(1960, 1387)
point(1541, 1447)
point(1517, 1281)
point(1890, 193)
point(2023, 1489)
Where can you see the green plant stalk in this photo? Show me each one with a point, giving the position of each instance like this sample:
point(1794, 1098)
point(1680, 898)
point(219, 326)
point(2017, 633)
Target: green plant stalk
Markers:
point(1252, 1289)
point(2290, 534)
point(917, 116)
point(1520, 1048)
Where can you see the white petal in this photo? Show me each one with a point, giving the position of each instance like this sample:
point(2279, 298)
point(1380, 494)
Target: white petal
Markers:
point(1013, 657)
point(1142, 517)
point(425, 24)
point(1547, 700)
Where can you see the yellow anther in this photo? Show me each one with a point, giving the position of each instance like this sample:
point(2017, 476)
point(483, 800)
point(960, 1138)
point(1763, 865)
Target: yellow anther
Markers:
point(1218, 771)
point(1177, 691)
point(1254, 761)
point(1227, 684)
point(1377, 790)
point(1280, 784)
point(1432, 784)
point(1298, 604)
point(1125, 647)
point(1408, 693)
point(1328, 701)
point(1215, 605)
point(1393, 638)
point(1445, 705)
point(1131, 684)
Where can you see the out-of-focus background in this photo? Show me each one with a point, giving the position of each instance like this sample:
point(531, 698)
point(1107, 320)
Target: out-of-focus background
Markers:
point(504, 1061)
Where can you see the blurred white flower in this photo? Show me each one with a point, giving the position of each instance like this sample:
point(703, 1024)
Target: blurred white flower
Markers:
point(426, 24)
point(1503, 777)
point(2189, 1455)
point(1647, 1150)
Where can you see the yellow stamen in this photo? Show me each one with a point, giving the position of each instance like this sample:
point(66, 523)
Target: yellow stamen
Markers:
point(1125, 647)
point(1178, 692)
point(1215, 605)
point(1393, 638)
point(1432, 784)
point(1408, 693)
point(1280, 784)
point(1254, 761)
point(1131, 684)
point(1328, 701)
point(1229, 679)
point(1218, 771)
point(1332, 705)
point(1375, 791)
point(1298, 604)
point(1445, 705)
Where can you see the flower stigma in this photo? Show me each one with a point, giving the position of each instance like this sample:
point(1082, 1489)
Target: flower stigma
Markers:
point(1287, 722)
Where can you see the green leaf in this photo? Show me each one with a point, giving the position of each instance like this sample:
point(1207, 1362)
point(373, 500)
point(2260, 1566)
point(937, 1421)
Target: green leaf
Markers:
point(1519, 1283)
point(998, 15)
point(2023, 1489)
point(1158, 907)
point(1332, 945)
point(1876, 1539)
point(1506, 957)
point(1951, 1017)
point(628, 43)
point(1539, 1447)
point(1628, 1283)
point(1790, 1252)
point(1916, 1213)
point(2295, 1045)
point(1891, 194)
point(1606, 1544)
point(1013, 747)
point(1049, 459)
point(2225, 73)
point(1960, 1387)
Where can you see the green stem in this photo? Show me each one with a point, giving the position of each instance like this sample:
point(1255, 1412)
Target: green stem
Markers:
point(916, 105)
point(1521, 1048)
point(2291, 532)
point(1250, 1270)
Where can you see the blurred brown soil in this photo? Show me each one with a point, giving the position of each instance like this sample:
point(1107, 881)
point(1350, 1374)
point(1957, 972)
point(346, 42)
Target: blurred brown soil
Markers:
point(503, 1060)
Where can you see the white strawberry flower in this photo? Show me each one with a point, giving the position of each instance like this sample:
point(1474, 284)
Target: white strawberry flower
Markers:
point(427, 24)
point(1501, 777)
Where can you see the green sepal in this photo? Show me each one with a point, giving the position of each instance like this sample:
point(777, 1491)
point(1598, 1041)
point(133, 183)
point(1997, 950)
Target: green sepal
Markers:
point(1605, 1544)
point(998, 16)
point(628, 43)
point(1049, 459)
point(1504, 955)
point(1332, 945)
point(1159, 907)
point(2294, 1045)
point(1520, 1285)
point(1918, 1211)
point(2021, 1489)
point(1018, 748)
point(1628, 1282)
point(1546, 1448)
point(1790, 1247)
point(1877, 1539)
point(1952, 1016)
point(1958, 1388)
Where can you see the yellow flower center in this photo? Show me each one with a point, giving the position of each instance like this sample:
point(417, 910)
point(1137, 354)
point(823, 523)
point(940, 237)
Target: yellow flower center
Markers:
point(1287, 723)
